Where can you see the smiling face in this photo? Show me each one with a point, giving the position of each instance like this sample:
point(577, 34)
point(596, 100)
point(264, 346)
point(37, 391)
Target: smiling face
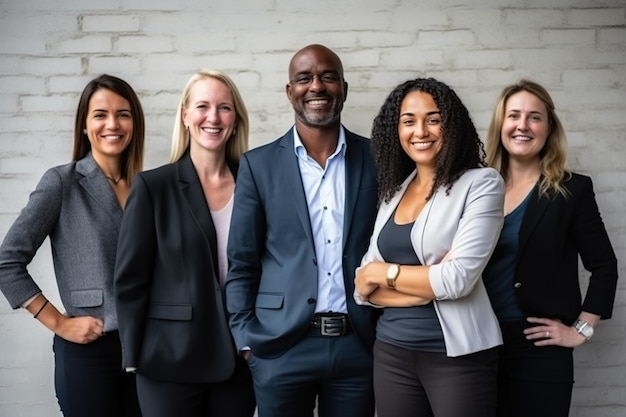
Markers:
point(419, 128)
point(209, 115)
point(109, 124)
point(526, 127)
point(316, 88)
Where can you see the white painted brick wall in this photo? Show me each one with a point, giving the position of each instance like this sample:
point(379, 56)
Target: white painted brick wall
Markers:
point(50, 50)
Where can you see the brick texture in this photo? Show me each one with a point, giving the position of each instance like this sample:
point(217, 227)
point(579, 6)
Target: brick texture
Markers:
point(49, 52)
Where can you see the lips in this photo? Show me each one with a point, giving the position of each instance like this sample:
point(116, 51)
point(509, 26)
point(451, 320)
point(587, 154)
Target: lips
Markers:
point(522, 138)
point(112, 138)
point(422, 145)
point(317, 102)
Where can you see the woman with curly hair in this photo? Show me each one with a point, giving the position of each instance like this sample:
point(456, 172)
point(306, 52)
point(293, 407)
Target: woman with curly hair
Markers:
point(532, 279)
point(440, 216)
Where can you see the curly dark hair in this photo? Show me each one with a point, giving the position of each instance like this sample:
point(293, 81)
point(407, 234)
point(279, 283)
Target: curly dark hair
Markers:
point(461, 150)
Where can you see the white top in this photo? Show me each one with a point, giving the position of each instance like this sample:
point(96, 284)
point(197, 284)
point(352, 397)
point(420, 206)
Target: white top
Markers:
point(221, 221)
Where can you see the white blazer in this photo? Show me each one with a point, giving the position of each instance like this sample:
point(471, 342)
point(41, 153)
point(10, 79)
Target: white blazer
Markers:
point(466, 223)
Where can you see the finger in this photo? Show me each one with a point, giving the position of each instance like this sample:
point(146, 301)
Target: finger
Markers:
point(533, 330)
point(538, 320)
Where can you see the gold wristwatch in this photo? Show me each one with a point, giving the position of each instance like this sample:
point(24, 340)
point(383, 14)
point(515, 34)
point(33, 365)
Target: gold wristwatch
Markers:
point(392, 274)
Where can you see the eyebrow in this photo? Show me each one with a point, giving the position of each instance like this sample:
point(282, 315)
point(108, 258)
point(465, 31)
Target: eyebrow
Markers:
point(106, 111)
point(531, 112)
point(430, 113)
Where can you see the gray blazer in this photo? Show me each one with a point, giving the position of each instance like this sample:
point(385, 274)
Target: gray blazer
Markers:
point(465, 224)
point(75, 206)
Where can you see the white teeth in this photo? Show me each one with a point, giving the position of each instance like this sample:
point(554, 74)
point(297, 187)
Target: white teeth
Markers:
point(522, 138)
point(422, 145)
point(317, 102)
point(113, 137)
point(210, 130)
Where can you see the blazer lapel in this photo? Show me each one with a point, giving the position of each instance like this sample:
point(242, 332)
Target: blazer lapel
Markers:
point(293, 182)
point(191, 189)
point(354, 166)
point(95, 184)
point(534, 212)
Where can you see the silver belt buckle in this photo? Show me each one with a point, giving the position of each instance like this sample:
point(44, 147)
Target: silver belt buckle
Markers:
point(332, 330)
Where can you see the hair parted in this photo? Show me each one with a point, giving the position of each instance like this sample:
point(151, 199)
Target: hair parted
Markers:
point(554, 153)
point(237, 144)
point(132, 157)
point(461, 150)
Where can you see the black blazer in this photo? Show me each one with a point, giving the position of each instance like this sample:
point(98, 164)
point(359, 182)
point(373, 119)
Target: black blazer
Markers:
point(552, 235)
point(271, 290)
point(172, 318)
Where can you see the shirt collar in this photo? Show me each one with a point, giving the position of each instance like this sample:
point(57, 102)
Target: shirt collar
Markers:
point(300, 150)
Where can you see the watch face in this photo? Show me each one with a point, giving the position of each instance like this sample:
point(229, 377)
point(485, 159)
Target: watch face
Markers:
point(584, 328)
point(392, 271)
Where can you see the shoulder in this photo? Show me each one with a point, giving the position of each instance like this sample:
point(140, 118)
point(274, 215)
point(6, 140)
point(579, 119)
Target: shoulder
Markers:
point(356, 138)
point(154, 174)
point(576, 181)
point(266, 153)
point(482, 176)
point(59, 174)
point(155, 179)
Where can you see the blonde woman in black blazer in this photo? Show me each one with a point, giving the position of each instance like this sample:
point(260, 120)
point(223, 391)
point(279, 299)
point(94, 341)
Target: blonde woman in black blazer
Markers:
point(79, 207)
point(171, 263)
point(552, 218)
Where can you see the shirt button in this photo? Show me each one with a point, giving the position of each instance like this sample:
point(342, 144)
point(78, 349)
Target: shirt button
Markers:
point(311, 301)
point(517, 285)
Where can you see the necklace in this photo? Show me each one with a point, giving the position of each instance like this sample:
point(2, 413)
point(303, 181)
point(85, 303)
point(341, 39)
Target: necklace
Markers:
point(113, 180)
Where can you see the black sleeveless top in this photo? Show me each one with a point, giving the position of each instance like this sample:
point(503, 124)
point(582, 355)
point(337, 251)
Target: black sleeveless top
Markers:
point(414, 328)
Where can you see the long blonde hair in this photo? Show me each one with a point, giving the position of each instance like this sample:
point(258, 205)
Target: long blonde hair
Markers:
point(553, 156)
point(237, 144)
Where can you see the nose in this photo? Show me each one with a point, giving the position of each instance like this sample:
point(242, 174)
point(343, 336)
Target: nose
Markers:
point(212, 115)
point(317, 84)
point(522, 124)
point(420, 130)
point(112, 122)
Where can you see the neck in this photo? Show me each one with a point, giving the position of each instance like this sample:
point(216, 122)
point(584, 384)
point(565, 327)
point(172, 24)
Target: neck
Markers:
point(110, 166)
point(209, 164)
point(425, 176)
point(523, 171)
point(319, 143)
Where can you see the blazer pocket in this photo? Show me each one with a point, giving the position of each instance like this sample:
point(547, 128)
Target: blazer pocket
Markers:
point(170, 312)
point(87, 298)
point(269, 301)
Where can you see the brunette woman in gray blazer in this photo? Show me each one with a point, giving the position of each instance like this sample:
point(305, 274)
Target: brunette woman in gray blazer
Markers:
point(171, 263)
point(79, 207)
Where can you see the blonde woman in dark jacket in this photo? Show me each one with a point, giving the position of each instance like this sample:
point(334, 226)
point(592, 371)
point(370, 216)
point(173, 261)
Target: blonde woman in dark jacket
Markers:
point(551, 218)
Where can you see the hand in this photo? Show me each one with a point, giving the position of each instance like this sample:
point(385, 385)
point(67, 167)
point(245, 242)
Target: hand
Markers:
point(553, 332)
point(365, 278)
point(80, 329)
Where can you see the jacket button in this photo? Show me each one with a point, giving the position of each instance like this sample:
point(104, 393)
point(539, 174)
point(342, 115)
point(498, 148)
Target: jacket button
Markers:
point(311, 301)
point(517, 285)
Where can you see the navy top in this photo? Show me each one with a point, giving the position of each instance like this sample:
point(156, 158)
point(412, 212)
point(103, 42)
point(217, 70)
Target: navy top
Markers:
point(414, 328)
point(499, 275)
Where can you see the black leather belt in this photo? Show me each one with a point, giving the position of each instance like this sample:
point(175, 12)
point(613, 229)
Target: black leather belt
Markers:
point(331, 324)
